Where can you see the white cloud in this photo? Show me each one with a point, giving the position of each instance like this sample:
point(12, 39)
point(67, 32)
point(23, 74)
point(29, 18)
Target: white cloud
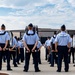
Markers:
point(13, 22)
point(72, 2)
point(21, 3)
point(44, 13)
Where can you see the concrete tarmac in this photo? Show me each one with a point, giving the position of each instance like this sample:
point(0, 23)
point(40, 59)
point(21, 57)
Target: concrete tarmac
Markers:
point(44, 67)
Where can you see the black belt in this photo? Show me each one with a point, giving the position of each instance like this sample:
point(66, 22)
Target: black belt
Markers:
point(62, 46)
point(21, 48)
point(30, 44)
point(2, 45)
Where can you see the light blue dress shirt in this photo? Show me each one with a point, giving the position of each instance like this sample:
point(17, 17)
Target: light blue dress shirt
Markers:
point(63, 39)
point(4, 38)
point(71, 42)
point(39, 44)
point(13, 42)
point(30, 39)
point(20, 44)
point(53, 39)
point(47, 43)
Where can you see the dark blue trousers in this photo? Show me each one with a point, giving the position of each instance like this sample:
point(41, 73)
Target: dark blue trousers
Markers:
point(53, 58)
point(46, 54)
point(13, 53)
point(17, 56)
point(71, 53)
point(4, 53)
point(63, 53)
point(39, 57)
point(4, 58)
point(7, 54)
point(22, 54)
point(27, 59)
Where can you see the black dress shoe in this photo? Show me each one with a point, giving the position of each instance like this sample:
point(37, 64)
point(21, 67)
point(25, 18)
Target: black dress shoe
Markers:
point(40, 63)
point(38, 71)
point(51, 66)
point(66, 71)
point(15, 66)
point(25, 70)
point(18, 63)
point(9, 69)
point(58, 71)
point(74, 65)
point(22, 61)
point(4, 61)
point(45, 59)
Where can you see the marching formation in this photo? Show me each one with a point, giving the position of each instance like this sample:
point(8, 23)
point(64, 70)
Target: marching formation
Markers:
point(58, 47)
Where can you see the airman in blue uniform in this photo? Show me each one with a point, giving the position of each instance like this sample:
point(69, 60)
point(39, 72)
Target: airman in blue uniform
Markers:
point(39, 52)
point(71, 51)
point(46, 46)
point(13, 44)
point(53, 53)
point(62, 46)
point(21, 49)
point(30, 40)
point(4, 49)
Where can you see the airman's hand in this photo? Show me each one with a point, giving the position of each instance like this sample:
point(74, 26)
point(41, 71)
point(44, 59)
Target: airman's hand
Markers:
point(56, 50)
point(4, 49)
point(28, 49)
point(0, 49)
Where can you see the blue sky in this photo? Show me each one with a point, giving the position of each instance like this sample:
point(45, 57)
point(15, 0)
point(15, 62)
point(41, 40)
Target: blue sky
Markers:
point(44, 13)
